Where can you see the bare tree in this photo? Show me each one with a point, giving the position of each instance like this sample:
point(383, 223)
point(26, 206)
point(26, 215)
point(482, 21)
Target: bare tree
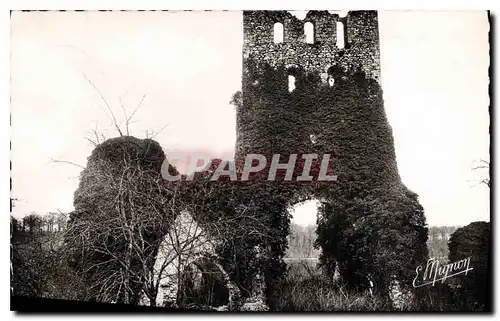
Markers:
point(123, 232)
point(95, 137)
point(61, 220)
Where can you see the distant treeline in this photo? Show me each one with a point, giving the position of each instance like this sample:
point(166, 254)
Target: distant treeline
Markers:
point(437, 243)
point(301, 241)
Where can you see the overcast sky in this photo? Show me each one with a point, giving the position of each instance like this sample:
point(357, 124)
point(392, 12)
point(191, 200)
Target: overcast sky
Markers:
point(434, 77)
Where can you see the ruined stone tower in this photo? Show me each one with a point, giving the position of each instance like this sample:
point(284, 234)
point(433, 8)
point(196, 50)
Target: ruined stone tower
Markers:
point(329, 49)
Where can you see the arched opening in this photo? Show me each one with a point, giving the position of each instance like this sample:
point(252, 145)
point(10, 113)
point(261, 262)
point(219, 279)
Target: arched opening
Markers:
point(301, 256)
point(278, 32)
point(340, 35)
point(309, 32)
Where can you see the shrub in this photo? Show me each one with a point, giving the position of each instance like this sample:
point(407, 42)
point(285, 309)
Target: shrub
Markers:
point(473, 241)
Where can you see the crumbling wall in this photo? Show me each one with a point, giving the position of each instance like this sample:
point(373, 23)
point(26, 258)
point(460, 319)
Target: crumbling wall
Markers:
point(120, 174)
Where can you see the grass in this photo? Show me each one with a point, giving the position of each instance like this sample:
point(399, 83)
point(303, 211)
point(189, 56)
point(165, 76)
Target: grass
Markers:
point(307, 289)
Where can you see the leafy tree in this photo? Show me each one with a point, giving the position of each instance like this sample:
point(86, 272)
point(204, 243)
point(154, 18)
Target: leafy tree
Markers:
point(15, 225)
point(125, 210)
point(33, 222)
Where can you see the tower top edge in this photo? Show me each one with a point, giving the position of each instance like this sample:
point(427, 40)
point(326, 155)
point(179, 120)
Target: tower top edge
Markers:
point(310, 15)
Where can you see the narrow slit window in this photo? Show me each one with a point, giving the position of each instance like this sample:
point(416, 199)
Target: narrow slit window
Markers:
point(309, 32)
point(278, 32)
point(291, 83)
point(340, 35)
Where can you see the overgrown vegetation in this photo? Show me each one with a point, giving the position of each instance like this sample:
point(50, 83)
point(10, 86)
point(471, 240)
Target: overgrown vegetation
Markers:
point(40, 262)
point(40, 269)
point(306, 288)
point(473, 241)
point(121, 210)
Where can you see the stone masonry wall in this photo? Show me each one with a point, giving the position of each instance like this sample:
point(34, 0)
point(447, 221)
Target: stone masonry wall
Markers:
point(360, 33)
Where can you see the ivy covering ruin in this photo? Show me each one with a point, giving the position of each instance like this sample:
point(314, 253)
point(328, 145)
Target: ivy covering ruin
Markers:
point(370, 226)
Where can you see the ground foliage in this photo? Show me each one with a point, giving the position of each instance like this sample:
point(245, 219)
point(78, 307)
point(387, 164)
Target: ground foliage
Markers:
point(369, 223)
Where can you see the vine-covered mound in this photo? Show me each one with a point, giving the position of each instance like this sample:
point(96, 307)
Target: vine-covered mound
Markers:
point(119, 218)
